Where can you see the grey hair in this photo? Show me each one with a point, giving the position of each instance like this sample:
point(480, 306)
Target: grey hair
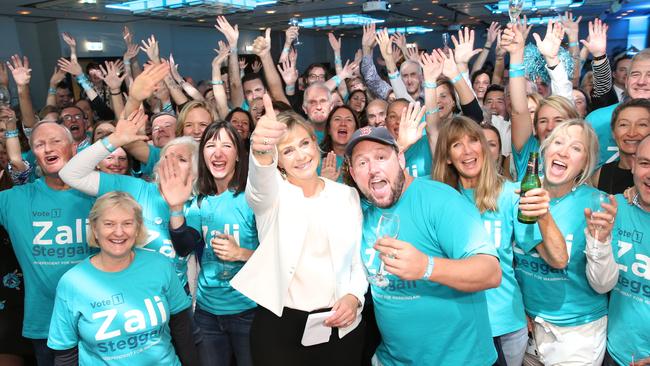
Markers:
point(643, 55)
point(317, 85)
point(67, 132)
point(194, 151)
point(410, 62)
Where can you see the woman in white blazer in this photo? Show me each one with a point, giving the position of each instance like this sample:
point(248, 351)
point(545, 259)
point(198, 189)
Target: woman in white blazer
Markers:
point(308, 260)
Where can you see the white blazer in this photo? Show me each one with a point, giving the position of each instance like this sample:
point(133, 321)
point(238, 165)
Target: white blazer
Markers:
point(282, 226)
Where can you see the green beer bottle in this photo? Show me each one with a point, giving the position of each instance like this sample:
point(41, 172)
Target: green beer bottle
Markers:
point(530, 181)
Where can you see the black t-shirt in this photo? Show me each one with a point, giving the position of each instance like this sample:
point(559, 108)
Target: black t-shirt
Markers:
point(613, 179)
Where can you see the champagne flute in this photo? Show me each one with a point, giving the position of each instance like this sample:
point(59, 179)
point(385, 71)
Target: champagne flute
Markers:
point(295, 22)
point(388, 226)
point(597, 200)
point(226, 270)
point(514, 9)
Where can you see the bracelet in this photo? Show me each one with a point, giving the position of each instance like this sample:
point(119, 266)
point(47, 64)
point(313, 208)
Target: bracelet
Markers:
point(107, 144)
point(167, 107)
point(601, 57)
point(429, 270)
point(261, 152)
point(430, 85)
point(285, 50)
point(233, 49)
point(51, 90)
point(216, 82)
point(118, 93)
point(516, 73)
point(178, 213)
point(289, 88)
point(487, 48)
point(573, 44)
point(11, 133)
point(432, 111)
point(337, 80)
point(337, 60)
point(127, 62)
point(456, 78)
point(394, 75)
point(517, 67)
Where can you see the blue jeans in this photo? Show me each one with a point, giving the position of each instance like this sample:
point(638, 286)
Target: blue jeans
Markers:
point(44, 354)
point(514, 345)
point(225, 336)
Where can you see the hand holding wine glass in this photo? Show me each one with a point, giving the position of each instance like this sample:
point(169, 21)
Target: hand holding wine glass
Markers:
point(600, 216)
point(388, 227)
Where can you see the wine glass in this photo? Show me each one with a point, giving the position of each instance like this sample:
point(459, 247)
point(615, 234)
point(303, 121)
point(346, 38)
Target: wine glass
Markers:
point(514, 9)
point(295, 22)
point(226, 270)
point(388, 226)
point(597, 200)
point(445, 41)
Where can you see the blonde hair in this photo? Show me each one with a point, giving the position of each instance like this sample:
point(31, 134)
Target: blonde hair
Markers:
point(489, 186)
point(180, 121)
point(294, 120)
point(112, 200)
point(560, 104)
point(590, 141)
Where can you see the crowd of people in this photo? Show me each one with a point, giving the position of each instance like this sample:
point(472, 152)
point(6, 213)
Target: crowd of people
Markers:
point(365, 214)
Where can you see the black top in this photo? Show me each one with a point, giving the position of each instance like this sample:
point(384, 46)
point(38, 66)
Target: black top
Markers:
point(613, 179)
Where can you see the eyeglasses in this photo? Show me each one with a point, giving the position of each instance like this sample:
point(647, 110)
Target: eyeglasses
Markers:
point(316, 77)
point(76, 117)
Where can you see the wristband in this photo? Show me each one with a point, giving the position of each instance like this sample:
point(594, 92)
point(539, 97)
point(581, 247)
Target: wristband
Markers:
point(233, 49)
point(118, 93)
point(429, 270)
point(167, 107)
point(573, 44)
point(289, 89)
point(261, 152)
point(107, 144)
point(337, 80)
point(337, 60)
point(517, 73)
point(216, 82)
point(11, 133)
point(601, 57)
point(394, 75)
point(430, 85)
point(517, 67)
point(285, 50)
point(456, 78)
point(127, 62)
point(51, 90)
point(178, 213)
point(432, 111)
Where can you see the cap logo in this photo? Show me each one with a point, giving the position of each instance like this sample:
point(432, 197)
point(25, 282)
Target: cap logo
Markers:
point(364, 131)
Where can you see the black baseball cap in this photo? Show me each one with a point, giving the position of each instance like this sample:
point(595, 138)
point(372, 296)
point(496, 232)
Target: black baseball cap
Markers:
point(376, 134)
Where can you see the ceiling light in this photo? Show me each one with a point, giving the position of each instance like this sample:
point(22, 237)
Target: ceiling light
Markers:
point(410, 30)
point(270, 12)
point(24, 12)
point(87, 1)
point(94, 17)
point(338, 20)
point(350, 3)
point(502, 5)
point(201, 20)
point(415, 9)
point(429, 13)
point(296, 15)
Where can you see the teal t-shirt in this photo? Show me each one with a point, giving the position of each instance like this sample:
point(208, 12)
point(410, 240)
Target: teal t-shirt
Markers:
point(146, 169)
point(560, 296)
point(320, 136)
point(418, 158)
point(520, 158)
point(48, 231)
point(422, 322)
point(629, 302)
point(505, 303)
point(119, 318)
point(600, 120)
point(155, 212)
point(228, 214)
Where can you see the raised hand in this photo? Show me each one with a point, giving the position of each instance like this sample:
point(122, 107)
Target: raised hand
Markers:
point(602, 223)
point(126, 129)
point(550, 46)
point(288, 71)
point(256, 66)
point(524, 27)
point(411, 125)
point(291, 34)
point(262, 45)
point(512, 40)
point(268, 131)
point(328, 167)
point(464, 46)
point(399, 40)
point(431, 66)
point(70, 66)
point(348, 70)
point(222, 54)
point(57, 76)
point(144, 85)
point(413, 54)
point(20, 70)
point(385, 47)
point(175, 186)
point(492, 34)
point(69, 40)
point(231, 33)
point(334, 42)
point(571, 26)
point(127, 35)
point(132, 51)
point(4, 75)
point(449, 67)
point(111, 75)
point(242, 63)
point(368, 42)
point(397, 53)
point(150, 47)
point(597, 41)
point(173, 69)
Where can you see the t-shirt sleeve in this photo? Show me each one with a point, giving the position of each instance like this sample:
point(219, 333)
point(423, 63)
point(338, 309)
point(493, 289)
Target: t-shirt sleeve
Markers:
point(4, 204)
point(154, 156)
point(176, 295)
point(193, 215)
point(63, 325)
point(520, 158)
point(119, 182)
point(459, 228)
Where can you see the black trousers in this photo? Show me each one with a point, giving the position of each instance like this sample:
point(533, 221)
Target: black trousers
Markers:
point(276, 341)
